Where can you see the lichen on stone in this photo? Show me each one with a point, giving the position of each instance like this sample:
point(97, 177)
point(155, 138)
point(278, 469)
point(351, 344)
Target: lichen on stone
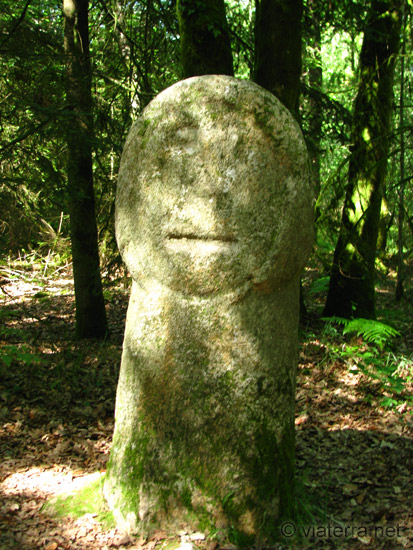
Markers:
point(214, 222)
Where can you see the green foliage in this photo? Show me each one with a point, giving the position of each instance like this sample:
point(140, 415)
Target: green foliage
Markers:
point(35, 266)
point(319, 285)
point(388, 371)
point(310, 506)
point(11, 353)
point(135, 54)
point(31, 158)
point(135, 51)
point(370, 330)
point(333, 38)
point(240, 16)
point(21, 354)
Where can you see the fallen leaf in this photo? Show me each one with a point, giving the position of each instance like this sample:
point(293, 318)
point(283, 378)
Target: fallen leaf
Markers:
point(120, 540)
point(301, 419)
point(197, 536)
point(350, 488)
point(401, 408)
point(364, 540)
point(141, 541)
point(159, 535)
point(360, 498)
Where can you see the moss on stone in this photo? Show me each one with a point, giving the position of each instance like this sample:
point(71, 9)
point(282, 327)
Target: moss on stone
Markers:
point(213, 220)
point(88, 499)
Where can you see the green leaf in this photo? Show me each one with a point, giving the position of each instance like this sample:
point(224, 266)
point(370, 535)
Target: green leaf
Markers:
point(371, 331)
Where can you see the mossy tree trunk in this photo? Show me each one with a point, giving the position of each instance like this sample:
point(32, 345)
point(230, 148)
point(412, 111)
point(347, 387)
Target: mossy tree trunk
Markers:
point(278, 49)
point(351, 290)
point(90, 308)
point(205, 41)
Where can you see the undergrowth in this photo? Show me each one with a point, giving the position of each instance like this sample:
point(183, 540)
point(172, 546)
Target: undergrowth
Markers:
point(368, 349)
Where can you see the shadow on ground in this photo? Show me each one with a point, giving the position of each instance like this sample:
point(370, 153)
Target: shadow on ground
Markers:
point(354, 459)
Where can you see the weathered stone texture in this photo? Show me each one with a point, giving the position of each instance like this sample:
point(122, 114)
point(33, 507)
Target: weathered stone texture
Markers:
point(214, 222)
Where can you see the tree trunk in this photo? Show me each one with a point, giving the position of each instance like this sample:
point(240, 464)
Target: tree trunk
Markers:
point(90, 308)
point(205, 42)
point(400, 220)
point(315, 81)
point(277, 63)
point(351, 291)
point(278, 49)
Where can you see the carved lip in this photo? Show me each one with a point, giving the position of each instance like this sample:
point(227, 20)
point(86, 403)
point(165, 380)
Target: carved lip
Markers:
point(206, 238)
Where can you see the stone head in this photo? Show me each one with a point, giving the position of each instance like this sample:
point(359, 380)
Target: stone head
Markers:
point(214, 192)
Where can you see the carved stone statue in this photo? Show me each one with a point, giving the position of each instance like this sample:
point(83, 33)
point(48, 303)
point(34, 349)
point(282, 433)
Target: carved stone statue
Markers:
point(214, 222)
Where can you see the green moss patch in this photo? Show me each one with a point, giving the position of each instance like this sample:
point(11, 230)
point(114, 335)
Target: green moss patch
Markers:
point(87, 499)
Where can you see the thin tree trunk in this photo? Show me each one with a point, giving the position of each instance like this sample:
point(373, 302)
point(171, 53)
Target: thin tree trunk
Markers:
point(205, 42)
point(90, 308)
point(351, 290)
point(400, 239)
point(315, 80)
point(278, 49)
point(278, 63)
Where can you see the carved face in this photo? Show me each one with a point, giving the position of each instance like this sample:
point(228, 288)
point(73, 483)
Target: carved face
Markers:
point(210, 197)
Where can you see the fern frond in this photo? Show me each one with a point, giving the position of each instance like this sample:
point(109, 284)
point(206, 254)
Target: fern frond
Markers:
point(336, 320)
point(371, 331)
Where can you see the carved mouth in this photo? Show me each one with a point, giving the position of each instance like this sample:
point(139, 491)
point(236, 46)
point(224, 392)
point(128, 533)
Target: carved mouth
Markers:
point(207, 238)
point(199, 244)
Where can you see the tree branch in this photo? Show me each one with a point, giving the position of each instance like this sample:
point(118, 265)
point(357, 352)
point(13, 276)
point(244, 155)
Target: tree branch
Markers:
point(16, 24)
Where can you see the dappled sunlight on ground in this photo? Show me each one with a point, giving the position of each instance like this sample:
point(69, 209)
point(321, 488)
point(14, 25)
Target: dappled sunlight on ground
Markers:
point(353, 456)
point(44, 482)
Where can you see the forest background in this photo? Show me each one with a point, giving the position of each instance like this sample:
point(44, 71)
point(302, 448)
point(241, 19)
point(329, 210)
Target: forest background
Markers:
point(134, 52)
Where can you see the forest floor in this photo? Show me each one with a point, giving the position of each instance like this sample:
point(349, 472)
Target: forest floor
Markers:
point(354, 435)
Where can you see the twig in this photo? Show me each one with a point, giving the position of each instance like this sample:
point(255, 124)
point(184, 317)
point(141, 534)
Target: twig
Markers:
point(17, 23)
